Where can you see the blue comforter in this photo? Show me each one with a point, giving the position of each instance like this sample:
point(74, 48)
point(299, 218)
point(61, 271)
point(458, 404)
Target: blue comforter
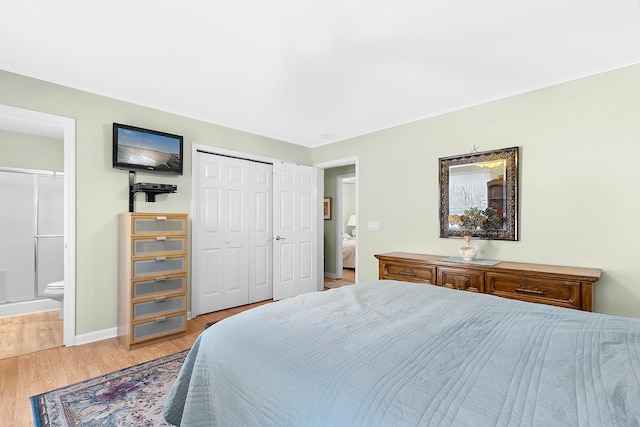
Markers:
point(392, 353)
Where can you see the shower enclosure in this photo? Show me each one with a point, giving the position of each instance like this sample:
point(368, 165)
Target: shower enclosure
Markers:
point(31, 236)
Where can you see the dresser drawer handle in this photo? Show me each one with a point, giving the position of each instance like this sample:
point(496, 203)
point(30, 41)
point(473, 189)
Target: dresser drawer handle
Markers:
point(161, 299)
point(161, 238)
point(407, 272)
point(160, 319)
point(524, 288)
point(161, 258)
point(161, 218)
point(160, 279)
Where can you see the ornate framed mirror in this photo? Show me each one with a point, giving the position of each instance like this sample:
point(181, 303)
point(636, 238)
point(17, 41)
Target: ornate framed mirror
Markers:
point(479, 195)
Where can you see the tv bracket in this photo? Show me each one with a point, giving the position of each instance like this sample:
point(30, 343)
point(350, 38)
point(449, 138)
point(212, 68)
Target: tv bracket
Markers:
point(149, 189)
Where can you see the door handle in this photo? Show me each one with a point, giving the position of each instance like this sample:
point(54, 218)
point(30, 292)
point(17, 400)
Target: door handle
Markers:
point(280, 238)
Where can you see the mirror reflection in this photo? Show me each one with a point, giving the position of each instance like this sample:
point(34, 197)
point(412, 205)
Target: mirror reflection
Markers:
point(478, 195)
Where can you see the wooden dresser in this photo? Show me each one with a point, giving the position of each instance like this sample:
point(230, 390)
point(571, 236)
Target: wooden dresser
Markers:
point(570, 287)
point(152, 277)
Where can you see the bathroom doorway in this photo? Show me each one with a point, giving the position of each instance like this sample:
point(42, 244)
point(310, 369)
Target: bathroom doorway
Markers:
point(31, 257)
point(19, 322)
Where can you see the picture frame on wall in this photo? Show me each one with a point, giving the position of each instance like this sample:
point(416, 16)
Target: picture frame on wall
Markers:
point(327, 208)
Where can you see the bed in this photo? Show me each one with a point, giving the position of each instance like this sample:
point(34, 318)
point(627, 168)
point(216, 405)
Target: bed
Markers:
point(348, 252)
point(391, 353)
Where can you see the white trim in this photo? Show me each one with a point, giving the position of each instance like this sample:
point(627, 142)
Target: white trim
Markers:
point(67, 127)
point(104, 334)
point(334, 164)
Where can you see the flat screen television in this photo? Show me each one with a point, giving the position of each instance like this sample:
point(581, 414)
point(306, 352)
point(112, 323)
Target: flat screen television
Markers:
point(138, 149)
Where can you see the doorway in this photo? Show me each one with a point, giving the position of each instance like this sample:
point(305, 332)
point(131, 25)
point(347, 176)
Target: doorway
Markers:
point(17, 122)
point(340, 230)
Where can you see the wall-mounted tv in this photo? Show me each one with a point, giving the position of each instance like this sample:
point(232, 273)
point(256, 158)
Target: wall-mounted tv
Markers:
point(138, 149)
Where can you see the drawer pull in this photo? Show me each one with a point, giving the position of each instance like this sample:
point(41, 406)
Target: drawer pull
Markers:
point(161, 238)
point(161, 218)
point(407, 272)
point(160, 279)
point(161, 258)
point(524, 288)
point(161, 299)
point(160, 319)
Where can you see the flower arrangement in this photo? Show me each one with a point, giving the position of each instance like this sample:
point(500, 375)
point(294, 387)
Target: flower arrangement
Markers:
point(474, 218)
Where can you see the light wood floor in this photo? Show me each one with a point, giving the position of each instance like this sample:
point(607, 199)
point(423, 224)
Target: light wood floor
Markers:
point(30, 332)
point(35, 373)
point(349, 275)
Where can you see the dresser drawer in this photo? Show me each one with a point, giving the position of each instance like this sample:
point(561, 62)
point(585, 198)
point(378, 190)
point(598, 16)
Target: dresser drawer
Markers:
point(160, 224)
point(145, 246)
point(159, 285)
point(408, 272)
point(158, 307)
point(461, 279)
point(159, 327)
point(539, 290)
point(159, 265)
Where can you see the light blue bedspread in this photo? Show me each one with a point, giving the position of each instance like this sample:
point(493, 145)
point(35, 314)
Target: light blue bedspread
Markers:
point(395, 354)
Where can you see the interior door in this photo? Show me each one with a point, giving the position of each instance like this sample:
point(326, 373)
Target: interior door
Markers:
point(295, 229)
point(231, 233)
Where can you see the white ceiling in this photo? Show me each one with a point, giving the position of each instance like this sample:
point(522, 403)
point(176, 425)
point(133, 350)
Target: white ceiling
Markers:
point(313, 72)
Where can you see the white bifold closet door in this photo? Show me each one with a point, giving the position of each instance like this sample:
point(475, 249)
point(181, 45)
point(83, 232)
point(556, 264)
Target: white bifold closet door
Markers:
point(232, 231)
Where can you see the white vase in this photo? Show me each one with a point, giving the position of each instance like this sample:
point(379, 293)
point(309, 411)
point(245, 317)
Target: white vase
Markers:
point(467, 251)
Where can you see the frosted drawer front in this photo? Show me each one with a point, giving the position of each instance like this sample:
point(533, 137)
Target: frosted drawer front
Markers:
point(158, 307)
point(159, 327)
point(159, 224)
point(159, 285)
point(160, 244)
point(159, 265)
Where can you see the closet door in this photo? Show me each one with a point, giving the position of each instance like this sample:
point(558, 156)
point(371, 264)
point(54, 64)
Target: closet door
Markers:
point(260, 233)
point(295, 212)
point(231, 233)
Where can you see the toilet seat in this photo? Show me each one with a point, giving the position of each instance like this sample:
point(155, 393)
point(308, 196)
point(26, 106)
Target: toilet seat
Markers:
point(56, 285)
point(55, 291)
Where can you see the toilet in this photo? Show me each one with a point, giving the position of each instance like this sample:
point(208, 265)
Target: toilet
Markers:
point(55, 291)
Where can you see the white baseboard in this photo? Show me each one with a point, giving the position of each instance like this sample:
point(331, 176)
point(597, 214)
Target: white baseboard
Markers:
point(104, 334)
point(330, 275)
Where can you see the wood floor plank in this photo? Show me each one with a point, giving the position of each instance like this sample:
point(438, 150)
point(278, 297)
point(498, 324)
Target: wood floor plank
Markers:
point(38, 372)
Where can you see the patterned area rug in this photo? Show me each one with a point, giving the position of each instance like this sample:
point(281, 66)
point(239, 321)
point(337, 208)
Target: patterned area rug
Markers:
point(133, 396)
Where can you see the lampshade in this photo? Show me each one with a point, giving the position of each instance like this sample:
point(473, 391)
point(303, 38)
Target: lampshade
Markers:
point(352, 221)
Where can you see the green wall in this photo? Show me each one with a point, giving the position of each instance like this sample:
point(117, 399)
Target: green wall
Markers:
point(579, 145)
point(102, 192)
point(22, 151)
point(579, 149)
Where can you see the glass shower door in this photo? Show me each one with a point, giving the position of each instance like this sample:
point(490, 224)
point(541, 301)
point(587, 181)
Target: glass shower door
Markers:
point(17, 215)
point(49, 238)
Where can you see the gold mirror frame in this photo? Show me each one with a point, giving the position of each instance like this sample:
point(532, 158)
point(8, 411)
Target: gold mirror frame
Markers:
point(509, 230)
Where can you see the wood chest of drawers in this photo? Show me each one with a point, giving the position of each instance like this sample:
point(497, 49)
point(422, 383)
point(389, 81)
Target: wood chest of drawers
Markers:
point(570, 287)
point(152, 277)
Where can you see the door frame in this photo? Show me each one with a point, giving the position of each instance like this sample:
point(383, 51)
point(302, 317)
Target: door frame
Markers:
point(34, 122)
point(334, 164)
